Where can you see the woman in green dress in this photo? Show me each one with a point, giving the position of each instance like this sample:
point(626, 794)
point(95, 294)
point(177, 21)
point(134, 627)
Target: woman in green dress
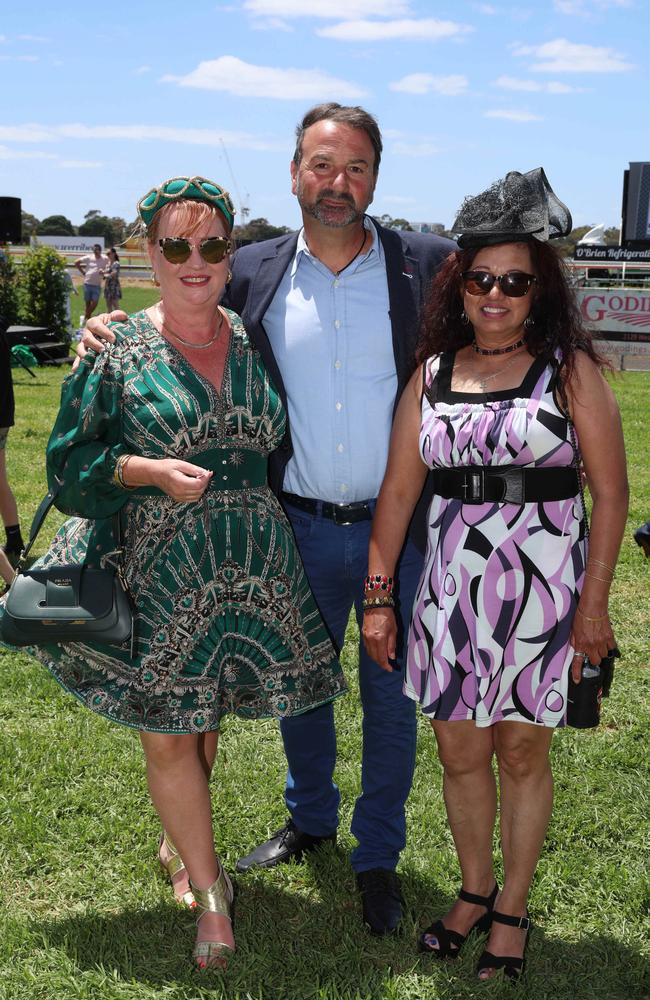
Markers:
point(171, 426)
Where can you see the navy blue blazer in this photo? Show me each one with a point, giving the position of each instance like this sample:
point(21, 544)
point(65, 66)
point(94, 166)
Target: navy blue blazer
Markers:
point(411, 261)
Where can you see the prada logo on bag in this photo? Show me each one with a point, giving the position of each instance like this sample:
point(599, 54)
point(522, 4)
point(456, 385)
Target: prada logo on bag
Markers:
point(61, 581)
point(69, 621)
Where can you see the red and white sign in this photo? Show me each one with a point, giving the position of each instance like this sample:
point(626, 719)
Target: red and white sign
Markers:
point(621, 314)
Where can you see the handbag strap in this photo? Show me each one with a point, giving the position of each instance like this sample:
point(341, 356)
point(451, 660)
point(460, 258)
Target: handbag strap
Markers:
point(44, 509)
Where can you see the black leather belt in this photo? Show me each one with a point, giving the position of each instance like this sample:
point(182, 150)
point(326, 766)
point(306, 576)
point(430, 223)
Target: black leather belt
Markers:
point(506, 484)
point(340, 513)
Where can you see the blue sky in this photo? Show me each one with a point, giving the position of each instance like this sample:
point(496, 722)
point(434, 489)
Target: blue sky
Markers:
point(100, 102)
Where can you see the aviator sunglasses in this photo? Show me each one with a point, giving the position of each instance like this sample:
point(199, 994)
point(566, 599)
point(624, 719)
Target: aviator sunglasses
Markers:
point(514, 284)
point(176, 249)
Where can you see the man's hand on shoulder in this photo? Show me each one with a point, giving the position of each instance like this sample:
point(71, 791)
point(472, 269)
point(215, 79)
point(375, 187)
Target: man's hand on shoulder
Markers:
point(96, 333)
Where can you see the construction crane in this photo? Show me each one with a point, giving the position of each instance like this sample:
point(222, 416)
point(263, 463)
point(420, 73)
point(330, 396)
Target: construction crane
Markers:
point(244, 210)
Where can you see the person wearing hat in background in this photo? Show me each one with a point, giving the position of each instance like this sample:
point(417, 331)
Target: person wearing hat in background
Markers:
point(171, 426)
point(511, 597)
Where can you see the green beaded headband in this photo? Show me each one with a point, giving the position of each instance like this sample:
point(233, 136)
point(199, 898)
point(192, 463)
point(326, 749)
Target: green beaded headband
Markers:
point(194, 188)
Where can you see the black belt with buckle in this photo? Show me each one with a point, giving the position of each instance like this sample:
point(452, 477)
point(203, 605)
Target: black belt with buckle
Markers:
point(340, 513)
point(506, 484)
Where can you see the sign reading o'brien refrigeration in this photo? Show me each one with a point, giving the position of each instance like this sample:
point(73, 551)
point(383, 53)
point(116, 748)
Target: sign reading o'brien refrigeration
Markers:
point(620, 315)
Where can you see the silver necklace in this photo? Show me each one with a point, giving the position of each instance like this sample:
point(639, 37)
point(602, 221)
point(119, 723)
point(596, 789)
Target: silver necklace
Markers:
point(189, 343)
point(483, 380)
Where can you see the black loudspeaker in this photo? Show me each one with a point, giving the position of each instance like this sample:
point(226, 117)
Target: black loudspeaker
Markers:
point(10, 220)
point(636, 205)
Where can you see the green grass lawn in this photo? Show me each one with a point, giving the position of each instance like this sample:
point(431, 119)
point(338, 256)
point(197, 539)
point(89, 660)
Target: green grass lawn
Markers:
point(87, 914)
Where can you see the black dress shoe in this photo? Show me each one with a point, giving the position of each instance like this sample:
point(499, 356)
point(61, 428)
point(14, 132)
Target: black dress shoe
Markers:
point(381, 898)
point(285, 844)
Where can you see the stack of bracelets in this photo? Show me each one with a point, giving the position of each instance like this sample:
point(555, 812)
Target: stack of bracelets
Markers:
point(378, 592)
point(118, 474)
point(600, 568)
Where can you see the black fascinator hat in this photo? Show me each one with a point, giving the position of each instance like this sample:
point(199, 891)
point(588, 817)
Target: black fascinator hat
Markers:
point(517, 208)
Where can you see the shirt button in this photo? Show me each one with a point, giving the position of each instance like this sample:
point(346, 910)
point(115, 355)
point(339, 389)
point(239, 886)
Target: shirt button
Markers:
point(339, 447)
point(336, 283)
point(339, 406)
point(337, 323)
point(337, 364)
point(344, 487)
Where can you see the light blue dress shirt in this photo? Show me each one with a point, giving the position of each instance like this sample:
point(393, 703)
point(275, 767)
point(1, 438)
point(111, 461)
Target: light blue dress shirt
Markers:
point(332, 339)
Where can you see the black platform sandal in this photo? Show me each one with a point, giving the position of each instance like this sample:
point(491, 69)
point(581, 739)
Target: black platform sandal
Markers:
point(450, 942)
point(512, 965)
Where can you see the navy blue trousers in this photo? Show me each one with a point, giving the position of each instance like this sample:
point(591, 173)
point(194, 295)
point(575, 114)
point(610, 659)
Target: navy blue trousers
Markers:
point(335, 558)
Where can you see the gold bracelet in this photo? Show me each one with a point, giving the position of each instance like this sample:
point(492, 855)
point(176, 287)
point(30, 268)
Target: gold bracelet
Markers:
point(601, 563)
point(385, 601)
point(594, 577)
point(588, 619)
point(118, 472)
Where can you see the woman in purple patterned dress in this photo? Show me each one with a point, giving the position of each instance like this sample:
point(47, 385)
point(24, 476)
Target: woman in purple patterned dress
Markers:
point(511, 597)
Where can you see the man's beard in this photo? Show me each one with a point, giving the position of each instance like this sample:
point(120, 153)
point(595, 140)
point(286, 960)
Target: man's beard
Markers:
point(324, 213)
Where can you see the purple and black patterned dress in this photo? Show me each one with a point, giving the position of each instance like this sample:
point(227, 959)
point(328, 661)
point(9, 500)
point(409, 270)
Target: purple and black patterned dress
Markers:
point(492, 616)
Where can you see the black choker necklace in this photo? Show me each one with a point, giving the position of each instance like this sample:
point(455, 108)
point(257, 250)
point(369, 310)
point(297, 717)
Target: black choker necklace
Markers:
point(363, 243)
point(499, 350)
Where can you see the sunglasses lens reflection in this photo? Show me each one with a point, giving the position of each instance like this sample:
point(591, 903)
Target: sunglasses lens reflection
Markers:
point(214, 249)
point(515, 284)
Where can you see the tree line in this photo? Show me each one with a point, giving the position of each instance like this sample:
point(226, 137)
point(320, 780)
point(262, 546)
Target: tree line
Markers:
point(116, 230)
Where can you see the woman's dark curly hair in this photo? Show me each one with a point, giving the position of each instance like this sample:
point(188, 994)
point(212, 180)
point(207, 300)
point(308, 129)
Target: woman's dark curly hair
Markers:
point(556, 320)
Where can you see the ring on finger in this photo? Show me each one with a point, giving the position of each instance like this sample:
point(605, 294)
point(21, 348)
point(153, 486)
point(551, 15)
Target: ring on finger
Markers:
point(578, 654)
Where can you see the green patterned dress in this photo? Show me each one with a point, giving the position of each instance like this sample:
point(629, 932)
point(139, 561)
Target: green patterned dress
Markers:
point(224, 618)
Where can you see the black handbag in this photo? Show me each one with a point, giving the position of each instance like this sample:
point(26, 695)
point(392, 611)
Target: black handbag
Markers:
point(66, 603)
point(584, 699)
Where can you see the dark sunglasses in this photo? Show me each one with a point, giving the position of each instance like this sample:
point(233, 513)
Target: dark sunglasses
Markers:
point(176, 249)
point(514, 284)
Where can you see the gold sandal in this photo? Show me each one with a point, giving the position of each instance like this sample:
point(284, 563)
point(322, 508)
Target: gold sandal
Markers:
point(173, 866)
point(217, 898)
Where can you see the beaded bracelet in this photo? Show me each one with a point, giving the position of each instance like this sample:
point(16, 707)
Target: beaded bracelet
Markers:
point(118, 473)
point(588, 619)
point(383, 601)
point(379, 581)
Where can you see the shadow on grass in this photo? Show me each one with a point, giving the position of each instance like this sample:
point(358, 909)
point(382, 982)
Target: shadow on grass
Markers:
point(306, 940)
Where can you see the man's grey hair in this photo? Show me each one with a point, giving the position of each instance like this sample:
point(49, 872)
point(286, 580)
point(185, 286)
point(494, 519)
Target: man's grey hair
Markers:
point(354, 116)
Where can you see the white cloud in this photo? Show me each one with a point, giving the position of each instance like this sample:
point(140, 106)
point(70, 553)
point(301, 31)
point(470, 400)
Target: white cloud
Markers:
point(486, 8)
point(346, 9)
point(79, 164)
point(159, 133)
point(424, 148)
point(30, 59)
point(141, 70)
point(562, 56)
point(535, 86)
point(26, 133)
point(584, 8)
point(246, 80)
point(18, 154)
point(513, 116)
point(34, 38)
point(426, 29)
point(426, 83)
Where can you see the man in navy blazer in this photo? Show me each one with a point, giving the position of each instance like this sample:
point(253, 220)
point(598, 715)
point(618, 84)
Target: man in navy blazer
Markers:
point(334, 311)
